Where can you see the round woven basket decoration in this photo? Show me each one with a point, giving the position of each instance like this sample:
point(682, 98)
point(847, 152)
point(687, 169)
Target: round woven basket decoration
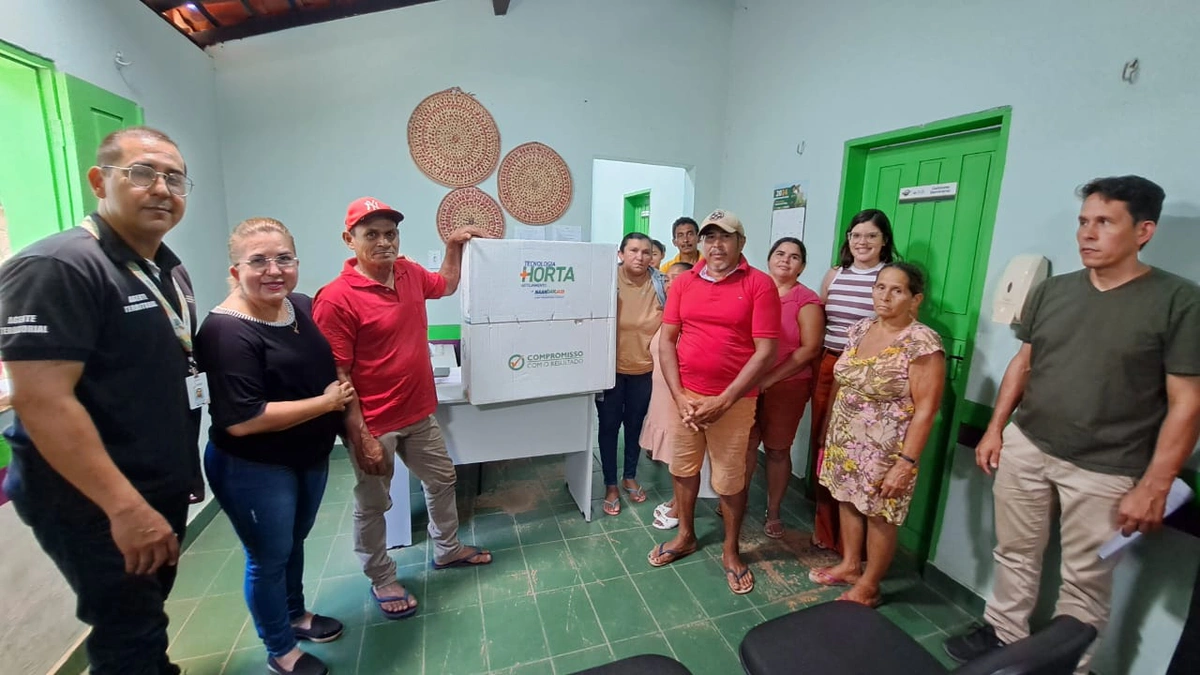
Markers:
point(470, 207)
point(534, 184)
point(453, 138)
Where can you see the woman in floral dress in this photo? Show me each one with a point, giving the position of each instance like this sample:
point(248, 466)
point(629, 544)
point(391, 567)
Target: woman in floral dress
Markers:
point(888, 389)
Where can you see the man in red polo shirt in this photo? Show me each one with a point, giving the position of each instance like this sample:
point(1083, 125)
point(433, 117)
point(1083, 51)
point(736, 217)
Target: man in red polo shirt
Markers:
point(719, 334)
point(374, 317)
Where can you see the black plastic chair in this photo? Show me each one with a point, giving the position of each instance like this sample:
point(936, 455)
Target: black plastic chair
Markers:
point(846, 638)
point(646, 664)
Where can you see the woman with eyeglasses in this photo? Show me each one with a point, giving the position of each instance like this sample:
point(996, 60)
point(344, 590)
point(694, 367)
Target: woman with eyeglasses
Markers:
point(276, 410)
point(846, 294)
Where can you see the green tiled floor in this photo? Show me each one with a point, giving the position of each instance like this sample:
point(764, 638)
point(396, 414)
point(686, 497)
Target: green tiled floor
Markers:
point(561, 596)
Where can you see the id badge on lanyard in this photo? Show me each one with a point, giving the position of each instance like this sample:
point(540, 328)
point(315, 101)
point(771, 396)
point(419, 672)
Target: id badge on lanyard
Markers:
point(196, 383)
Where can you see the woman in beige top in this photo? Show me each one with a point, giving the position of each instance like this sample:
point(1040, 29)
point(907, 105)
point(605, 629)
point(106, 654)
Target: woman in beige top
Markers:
point(639, 314)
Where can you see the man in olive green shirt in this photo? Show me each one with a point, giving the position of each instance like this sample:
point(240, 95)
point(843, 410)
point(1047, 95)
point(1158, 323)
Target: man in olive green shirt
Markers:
point(1108, 383)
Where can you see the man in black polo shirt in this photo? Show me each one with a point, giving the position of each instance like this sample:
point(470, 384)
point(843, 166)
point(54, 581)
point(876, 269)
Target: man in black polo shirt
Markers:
point(96, 326)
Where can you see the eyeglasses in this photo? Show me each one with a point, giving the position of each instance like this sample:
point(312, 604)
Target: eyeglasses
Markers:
point(869, 236)
point(261, 263)
point(145, 177)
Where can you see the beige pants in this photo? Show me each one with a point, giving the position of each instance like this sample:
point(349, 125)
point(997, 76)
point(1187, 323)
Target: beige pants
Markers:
point(1029, 484)
point(423, 450)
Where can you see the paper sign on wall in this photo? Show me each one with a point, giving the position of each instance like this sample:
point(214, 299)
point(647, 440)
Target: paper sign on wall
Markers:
point(568, 233)
point(788, 209)
point(530, 232)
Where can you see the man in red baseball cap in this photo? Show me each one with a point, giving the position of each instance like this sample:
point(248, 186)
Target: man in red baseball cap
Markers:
point(373, 315)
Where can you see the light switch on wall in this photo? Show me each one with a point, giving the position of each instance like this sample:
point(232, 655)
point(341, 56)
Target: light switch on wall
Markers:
point(435, 260)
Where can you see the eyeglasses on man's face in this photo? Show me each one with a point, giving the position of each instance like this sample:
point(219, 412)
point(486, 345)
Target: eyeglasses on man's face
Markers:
point(260, 263)
point(144, 176)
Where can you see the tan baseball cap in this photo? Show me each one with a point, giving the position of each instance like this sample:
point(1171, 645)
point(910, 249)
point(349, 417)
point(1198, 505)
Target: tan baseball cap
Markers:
point(726, 220)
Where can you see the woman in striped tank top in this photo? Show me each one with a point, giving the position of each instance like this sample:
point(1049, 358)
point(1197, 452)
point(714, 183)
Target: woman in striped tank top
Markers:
point(846, 293)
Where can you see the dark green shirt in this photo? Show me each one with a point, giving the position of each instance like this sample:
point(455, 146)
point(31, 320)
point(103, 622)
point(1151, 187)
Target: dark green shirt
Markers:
point(1096, 394)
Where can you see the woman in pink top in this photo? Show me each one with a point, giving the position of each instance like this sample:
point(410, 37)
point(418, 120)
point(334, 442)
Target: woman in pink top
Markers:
point(785, 390)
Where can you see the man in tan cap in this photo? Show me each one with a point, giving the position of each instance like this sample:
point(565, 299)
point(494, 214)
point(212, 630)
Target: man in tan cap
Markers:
point(719, 334)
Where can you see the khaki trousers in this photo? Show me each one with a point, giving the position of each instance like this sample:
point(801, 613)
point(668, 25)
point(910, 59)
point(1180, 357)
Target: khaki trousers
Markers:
point(1029, 485)
point(423, 450)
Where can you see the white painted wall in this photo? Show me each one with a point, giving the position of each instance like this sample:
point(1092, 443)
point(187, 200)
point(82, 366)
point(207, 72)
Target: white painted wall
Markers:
point(316, 116)
point(173, 81)
point(824, 73)
point(612, 180)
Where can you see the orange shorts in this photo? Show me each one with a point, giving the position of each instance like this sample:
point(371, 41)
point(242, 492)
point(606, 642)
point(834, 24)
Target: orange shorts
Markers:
point(778, 414)
point(726, 441)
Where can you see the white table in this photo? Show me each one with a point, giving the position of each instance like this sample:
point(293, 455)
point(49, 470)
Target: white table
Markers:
point(537, 428)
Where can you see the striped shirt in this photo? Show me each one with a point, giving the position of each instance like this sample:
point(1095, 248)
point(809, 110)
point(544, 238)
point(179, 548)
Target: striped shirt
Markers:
point(849, 301)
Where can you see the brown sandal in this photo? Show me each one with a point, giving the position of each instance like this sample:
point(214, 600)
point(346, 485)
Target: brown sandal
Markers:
point(773, 527)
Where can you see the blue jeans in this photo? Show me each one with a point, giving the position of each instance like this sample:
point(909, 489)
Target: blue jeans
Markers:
point(625, 404)
point(272, 509)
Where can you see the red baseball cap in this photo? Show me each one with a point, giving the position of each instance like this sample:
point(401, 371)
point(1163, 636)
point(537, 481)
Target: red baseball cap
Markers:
point(364, 207)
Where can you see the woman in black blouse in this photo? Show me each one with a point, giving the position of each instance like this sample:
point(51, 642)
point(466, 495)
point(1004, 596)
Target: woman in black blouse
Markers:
point(276, 410)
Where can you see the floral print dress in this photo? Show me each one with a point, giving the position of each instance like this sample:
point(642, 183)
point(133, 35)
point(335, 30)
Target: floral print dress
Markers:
point(870, 418)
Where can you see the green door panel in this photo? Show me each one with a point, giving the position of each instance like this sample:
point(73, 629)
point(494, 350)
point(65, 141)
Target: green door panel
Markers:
point(28, 189)
point(93, 114)
point(637, 212)
point(948, 239)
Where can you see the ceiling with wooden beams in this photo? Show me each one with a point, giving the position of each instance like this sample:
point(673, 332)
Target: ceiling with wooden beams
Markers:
point(210, 22)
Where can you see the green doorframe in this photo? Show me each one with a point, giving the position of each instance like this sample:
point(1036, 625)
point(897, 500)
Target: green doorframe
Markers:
point(849, 202)
point(52, 116)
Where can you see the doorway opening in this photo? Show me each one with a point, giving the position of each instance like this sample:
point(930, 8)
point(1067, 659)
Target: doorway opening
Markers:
point(638, 197)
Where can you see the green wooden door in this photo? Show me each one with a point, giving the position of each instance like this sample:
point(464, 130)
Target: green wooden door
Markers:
point(637, 212)
point(950, 239)
point(93, 113)
point(28, 143)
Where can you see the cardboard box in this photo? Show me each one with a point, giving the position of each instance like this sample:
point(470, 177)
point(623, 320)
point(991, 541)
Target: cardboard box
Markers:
point(517, 361)
point(508, 280)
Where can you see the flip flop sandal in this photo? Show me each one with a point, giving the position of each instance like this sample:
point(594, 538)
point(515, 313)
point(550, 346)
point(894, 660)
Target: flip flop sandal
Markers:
point(464, 561)
point(730, 572)
point(612, 507)
point(773, 528)
point(822, 576)
point(661, 551)
point(664, 522)
point(402, 614)
point(637, 496)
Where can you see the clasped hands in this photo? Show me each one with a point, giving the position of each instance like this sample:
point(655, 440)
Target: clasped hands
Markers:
point(699, 412)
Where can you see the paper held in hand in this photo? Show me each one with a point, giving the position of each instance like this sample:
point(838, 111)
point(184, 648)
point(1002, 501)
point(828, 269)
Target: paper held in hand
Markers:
point(1179, 495)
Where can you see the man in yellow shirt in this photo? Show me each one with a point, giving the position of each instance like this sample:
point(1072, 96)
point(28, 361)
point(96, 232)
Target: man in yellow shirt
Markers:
point(685, 234)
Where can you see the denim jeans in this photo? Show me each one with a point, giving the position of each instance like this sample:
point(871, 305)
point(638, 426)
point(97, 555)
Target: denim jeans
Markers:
point(272, 509)
point(125, 611)
point(625, 404)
